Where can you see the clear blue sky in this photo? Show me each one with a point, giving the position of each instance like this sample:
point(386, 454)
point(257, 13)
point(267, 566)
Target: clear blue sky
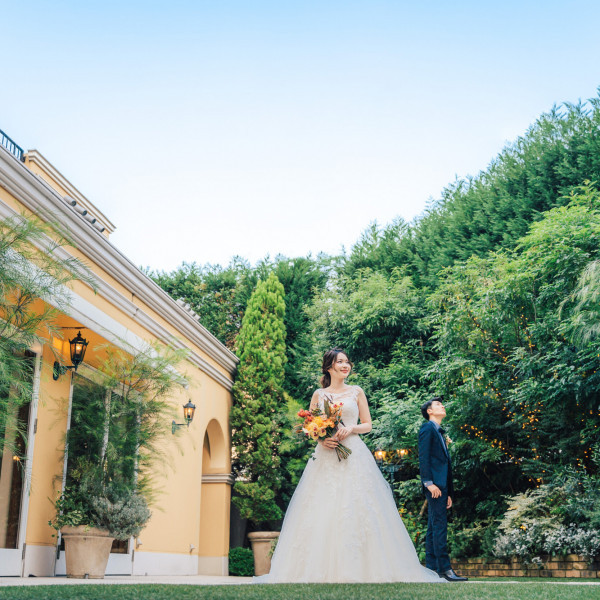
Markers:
point(210, 129)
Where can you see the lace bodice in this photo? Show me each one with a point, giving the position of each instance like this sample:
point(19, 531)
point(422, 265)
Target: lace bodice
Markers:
point(348, 399)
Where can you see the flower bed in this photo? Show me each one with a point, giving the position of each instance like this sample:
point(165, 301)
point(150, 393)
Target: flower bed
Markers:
point(571, 565)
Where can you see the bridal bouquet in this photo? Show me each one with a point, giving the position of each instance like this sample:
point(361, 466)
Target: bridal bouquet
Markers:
point(318, 424)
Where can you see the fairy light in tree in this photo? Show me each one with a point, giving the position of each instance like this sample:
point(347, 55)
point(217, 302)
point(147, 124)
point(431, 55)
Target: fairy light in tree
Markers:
point(471, 430)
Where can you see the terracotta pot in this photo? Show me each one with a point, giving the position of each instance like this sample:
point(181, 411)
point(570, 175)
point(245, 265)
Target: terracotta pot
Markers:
point(86, 551)
point(262, 542)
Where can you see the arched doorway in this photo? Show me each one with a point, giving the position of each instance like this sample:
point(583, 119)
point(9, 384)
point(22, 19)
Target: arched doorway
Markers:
point(213, 545)
point(214, 450)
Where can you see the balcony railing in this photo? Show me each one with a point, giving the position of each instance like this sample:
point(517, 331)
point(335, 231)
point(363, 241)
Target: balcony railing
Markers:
point(10, 145)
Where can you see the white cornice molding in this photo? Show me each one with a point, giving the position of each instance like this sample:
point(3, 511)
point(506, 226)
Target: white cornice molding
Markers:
point(91, 317)
point(40, 160)
point(39, 197)
point(227, 478)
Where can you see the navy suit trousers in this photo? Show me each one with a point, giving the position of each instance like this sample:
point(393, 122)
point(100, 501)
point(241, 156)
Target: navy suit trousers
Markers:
point(436, 541)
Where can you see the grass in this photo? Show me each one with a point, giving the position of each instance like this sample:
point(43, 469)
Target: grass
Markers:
point(394, 591)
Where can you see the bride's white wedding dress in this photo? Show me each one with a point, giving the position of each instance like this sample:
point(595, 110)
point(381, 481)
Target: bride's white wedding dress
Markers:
point(342, 524)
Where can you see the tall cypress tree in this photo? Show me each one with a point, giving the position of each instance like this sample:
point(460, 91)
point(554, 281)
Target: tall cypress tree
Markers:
point(258, 397)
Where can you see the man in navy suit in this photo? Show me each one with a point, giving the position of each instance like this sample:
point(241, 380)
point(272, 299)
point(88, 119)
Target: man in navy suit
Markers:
point(436, 476)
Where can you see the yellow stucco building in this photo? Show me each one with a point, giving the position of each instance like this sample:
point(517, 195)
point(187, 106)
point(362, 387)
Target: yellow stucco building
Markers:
point(189, 529)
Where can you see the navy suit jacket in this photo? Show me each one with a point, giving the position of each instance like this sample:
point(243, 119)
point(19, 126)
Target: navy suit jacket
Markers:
point(434, 461)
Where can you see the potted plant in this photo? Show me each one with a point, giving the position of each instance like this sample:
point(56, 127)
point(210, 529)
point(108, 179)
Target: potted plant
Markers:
point(90, 514)
point(117, 424)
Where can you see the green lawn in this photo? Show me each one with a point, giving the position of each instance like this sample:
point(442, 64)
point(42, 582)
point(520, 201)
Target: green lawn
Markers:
point(469, 591)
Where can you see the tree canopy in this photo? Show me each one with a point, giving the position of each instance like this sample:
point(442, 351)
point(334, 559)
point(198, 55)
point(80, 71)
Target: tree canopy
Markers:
point(490, 298)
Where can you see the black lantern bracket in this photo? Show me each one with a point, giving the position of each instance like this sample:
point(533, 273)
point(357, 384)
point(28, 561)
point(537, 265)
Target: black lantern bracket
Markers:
point(188, 416)
point(78, 346)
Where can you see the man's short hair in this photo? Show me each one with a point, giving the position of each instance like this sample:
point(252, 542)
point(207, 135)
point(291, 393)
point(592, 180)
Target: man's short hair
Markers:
point(427, 405)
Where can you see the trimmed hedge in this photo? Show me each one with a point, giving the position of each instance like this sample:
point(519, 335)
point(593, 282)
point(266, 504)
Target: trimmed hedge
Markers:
point(241, 562)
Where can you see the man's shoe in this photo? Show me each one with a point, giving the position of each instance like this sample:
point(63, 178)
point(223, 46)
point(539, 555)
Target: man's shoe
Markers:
point(450, 575)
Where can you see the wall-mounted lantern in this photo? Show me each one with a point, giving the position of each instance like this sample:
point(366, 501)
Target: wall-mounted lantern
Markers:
point(78, 346)
point(188, 417)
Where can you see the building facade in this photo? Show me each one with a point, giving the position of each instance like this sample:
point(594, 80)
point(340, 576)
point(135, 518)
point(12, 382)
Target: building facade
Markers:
point(189, 529)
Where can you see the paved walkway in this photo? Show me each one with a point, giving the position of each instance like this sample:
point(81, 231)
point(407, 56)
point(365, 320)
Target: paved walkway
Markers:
point(211, 580)
point(128, 579)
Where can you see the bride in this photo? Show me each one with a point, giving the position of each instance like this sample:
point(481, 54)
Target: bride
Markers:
point(342, 524)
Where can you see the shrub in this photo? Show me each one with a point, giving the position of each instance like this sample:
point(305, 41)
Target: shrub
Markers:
point(526, 543)
point(70, 510)
point(573, 540)
point(416, 526)
point(558, 518)
point(241, 562)
point(119, 509)
point(123, 516)
point(471, 541)
point(530, 542)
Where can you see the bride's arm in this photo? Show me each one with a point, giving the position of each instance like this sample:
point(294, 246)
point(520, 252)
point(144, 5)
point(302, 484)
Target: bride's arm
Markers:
point(363, 414)
point(314, 401)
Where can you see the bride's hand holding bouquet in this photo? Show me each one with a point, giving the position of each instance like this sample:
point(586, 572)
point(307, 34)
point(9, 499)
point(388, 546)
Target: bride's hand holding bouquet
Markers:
point(326, 425)
point(342, 433)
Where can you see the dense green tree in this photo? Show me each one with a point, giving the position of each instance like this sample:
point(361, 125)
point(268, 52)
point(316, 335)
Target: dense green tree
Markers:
point(367, 314)
point(583, 306)
point(380, 248)
point(491, 298)
point(492, 210)
point(218, 295)
point(293, 452)
point(523, 398)
point(302, 279)
point(258, 400)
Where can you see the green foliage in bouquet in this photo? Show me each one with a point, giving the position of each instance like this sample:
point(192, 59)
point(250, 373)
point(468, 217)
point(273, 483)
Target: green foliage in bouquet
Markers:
point(258, 400)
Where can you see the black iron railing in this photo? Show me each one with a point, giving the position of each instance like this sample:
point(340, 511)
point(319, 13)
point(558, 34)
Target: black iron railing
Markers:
point(10, 145)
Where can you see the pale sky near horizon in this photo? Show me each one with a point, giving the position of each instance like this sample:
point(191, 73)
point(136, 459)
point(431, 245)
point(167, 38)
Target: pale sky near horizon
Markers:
point(205, 130)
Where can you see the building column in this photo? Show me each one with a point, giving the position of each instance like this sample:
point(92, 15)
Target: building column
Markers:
point(213, 545)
